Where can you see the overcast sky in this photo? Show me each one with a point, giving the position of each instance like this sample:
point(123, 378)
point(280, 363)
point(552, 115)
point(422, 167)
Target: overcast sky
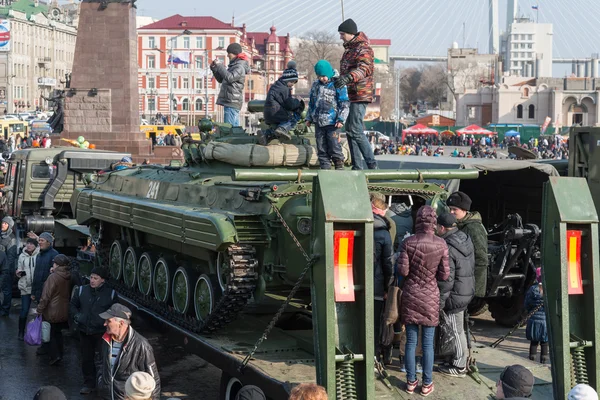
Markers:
point(415, 27)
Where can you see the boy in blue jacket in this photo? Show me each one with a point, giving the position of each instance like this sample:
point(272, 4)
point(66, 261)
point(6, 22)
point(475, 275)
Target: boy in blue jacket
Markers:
point(327, 109)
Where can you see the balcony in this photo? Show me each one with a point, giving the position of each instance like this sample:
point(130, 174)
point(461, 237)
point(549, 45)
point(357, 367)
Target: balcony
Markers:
point(44, 60)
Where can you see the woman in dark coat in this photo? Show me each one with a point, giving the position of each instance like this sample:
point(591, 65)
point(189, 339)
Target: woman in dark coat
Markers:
point(536, 331)
point(423, 261)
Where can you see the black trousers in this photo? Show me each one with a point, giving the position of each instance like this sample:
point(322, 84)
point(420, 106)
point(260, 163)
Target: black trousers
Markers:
point(90, 346)
point(56, 345)
point(377, 314)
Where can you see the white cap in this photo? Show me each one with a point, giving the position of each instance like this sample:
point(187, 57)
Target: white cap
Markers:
point(582, 392)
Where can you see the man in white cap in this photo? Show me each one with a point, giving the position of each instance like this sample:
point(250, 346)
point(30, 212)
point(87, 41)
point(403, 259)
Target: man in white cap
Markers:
point(124, 351)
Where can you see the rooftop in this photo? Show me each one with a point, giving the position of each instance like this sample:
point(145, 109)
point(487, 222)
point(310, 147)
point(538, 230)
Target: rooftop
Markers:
point(180, 22)
point(25, 6)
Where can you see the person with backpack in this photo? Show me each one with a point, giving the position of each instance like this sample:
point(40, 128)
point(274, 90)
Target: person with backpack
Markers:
point(88, 302)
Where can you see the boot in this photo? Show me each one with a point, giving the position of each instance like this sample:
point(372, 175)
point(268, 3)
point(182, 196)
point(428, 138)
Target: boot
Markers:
point(283, 132)
point(532, 351)
point(22, 323)
point(339, 165)
point(544, 353)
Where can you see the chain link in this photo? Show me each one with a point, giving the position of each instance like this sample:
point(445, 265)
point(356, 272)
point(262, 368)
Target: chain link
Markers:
point(387, 189)
point(514, 328)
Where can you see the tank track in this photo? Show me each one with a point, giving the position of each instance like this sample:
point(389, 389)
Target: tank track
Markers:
point(243, 278)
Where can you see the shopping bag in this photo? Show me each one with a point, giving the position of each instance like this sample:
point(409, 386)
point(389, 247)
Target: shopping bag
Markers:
point(33, 333)
point(45, 331)
point(446, 341)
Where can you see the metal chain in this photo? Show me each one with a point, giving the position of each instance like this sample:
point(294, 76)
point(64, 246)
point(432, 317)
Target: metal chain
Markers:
point(514, 328)
point(310, 261)
point(290, 194)
point(370, 187)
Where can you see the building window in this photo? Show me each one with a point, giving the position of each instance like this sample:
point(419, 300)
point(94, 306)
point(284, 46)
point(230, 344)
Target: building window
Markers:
point(221, 59)
point(250, 84)
point(199, 42)
point(151, 62)
point(199, 62)
point(272, 47)
point(526, 92)
point(151, 104)
point(151, 44)
point(471, 112)
point(199, 83)
point(174, 83)
point(173, 42)
point(199, 105)
point(531, 111)
point(185, 66)
point(519, 111)
point(150, 83)
point(186, 105)
point(271, 65)
point(186, 83)
point(186, 42)
point(222, 42)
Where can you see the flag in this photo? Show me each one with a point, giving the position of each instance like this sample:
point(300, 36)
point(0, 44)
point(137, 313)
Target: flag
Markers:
point(534, 7)
point(179, 57)
point(545, 125)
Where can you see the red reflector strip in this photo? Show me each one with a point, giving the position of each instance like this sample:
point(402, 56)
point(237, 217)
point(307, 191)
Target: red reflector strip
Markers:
point(574, 262)
point(343, 248)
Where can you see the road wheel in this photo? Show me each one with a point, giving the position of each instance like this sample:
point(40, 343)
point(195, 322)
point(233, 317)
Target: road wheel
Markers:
point(162, 279)
point(115, 259)
point(230, 387)
point(145, 271)
point(507, 311)
point(477, 306)
point(182, 289)
point(130, 264)
point(205, 296)
point(223, 270)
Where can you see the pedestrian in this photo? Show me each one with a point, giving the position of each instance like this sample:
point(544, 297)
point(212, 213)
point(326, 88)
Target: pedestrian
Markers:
point(25, 273)
point(8, 246)
point(582, 392)
point(87, 304)
point(515, 381)
point(383, 270)
point(232, 78)
point(54, 304)
point(356, 70)
point(139, 386)
point(457, 291)
point(536, 332)
point(423, 259)
point(470, 223)
point(308, 391)
point(250, 392)
point(327, 110)
point(124, 351)
point(282, 110)
point(49, 393)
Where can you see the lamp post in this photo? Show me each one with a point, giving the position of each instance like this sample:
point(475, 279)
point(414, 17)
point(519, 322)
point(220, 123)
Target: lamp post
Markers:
point(172, 40)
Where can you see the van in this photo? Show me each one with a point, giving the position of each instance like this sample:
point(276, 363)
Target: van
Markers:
point(12, 128)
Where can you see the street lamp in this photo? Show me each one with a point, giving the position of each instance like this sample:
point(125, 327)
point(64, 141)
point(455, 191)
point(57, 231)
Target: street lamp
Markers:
point(172, 40)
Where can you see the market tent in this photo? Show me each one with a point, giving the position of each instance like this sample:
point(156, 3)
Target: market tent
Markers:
point(475, 130)
point(418, 129)
point(512, 133)
point(447, 133)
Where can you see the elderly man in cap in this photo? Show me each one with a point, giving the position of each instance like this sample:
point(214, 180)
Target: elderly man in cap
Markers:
point(43, 263)
point(516, 382)
point(8, 246)
point(356, 72)
point(124, 351)
point(458, 290)
point(232, 78)
point(87, 304)
point(470, 223)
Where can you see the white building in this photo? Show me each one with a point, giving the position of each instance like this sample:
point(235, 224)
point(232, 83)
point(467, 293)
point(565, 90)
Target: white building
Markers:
point(38, 53)
point(527, 49)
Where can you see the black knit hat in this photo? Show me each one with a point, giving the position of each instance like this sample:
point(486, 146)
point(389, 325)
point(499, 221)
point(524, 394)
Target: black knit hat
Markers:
point(62, 260)
point(460, 200)
point(348, 26)
point(446, 220)
point(102, 272)
point(290, 74)
point(234, 48)
point(517, 381)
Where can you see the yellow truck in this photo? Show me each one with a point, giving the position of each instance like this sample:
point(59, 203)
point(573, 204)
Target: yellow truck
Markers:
point(152, 131)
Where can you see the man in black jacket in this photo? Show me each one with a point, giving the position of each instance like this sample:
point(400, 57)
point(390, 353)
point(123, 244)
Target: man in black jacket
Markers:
point(8, 246)
point(457, 292)
point(124, 351)
point(86, 305)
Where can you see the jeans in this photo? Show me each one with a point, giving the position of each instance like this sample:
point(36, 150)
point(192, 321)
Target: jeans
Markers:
point(290, 123)
point(90, 345)
point(357, 140)
point(412, 332)
point(328, 147)
point(231, 116)
point(457, 323)
point(25, 304)
point(7, 279)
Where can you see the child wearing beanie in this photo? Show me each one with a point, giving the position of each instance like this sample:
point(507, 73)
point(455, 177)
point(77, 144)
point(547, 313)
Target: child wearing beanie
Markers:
point(327, 109)
point(536, 331)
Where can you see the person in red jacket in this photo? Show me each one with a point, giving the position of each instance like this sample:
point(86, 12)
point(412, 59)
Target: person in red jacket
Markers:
point(423, 261)
point(356, 72)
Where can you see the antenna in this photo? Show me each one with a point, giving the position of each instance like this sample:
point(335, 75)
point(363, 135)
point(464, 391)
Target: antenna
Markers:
point(343, 19)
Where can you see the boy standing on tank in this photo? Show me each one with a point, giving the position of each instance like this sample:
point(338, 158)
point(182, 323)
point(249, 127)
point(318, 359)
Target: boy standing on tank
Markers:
point(327, 109)
point(282, 110)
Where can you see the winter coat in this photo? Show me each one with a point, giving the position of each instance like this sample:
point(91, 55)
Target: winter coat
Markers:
point(327, 105)
point(279, 103)
point(27, 263)
point(8, 245)
point(43, 263)
point(423, 260)
point(472, 226)
point(87, 304)
point(383, 270)
point(404, 222)
point(536, 325)
point(54, 303)
point(136, 355)
point(357, 61)
point(232, 81)
point(457, 291)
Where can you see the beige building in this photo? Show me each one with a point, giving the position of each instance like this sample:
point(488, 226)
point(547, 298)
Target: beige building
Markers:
point(38, 53)
point(568, 101)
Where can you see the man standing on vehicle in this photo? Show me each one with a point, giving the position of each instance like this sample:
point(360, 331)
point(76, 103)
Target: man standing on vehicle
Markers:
point(470, 223)
point(232, 79)
point(123, 352)
point(356, 70)
point(8, 245)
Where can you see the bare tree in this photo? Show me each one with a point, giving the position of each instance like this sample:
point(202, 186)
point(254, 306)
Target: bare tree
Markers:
point(315, 46)
point(410, 79)
point(433, 86)
point(387, 99)
point(461, 76)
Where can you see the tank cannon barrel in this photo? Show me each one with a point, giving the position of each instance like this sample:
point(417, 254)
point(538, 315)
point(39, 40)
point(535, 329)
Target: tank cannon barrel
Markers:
point(373, 175)
point(256, 106)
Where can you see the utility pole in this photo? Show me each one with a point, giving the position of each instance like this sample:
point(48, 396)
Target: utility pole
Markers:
point(206, 83)
point(343, 19)
point(173, 40)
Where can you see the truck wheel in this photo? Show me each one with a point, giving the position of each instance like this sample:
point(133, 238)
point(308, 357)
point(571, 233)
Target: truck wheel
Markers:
point(130, 266)
point(205, 296)
point(477, 306)
point(507, 311)
point(183, 286)
point(230, 386)
point(115, 259)
point(145, 271)
point(162, 279)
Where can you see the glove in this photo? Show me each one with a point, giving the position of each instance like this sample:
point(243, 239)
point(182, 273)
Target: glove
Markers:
point(342, 81)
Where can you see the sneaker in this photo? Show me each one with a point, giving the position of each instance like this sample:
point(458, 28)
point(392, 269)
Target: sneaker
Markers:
point(426, 390)
point(282, 132)
point(411, 386)
point(453, 371)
